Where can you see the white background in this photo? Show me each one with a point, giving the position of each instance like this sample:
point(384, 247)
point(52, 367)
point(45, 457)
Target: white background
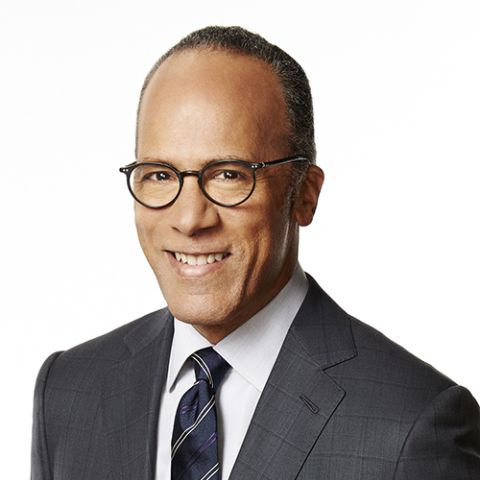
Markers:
point(396, 238)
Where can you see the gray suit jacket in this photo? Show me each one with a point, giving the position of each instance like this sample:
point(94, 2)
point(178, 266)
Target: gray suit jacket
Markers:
point(342, 402)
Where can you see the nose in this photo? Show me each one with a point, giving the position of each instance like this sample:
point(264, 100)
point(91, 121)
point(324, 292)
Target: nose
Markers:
point(192, 213)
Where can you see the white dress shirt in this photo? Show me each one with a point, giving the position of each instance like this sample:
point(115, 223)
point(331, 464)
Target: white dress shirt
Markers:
point(251, 350)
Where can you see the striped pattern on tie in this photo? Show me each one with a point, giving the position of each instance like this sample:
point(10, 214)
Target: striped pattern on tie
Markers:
point(194, 440)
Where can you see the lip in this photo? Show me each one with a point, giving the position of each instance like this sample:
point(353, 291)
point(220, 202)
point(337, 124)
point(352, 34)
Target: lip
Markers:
point(199, 252)
point(194, 271)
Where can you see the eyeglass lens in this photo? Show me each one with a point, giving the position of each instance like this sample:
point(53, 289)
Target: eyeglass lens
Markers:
point(227, 183)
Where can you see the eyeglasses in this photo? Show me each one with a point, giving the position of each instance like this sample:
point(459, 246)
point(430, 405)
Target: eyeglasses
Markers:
point(227, 183)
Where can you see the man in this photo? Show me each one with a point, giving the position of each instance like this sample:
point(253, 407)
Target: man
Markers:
point(252, 371)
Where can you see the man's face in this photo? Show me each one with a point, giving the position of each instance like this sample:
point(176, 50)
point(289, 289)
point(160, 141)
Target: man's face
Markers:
point(202, 106)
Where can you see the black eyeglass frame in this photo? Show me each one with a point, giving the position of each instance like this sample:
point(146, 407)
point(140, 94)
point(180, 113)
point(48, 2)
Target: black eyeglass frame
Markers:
point(254, 166)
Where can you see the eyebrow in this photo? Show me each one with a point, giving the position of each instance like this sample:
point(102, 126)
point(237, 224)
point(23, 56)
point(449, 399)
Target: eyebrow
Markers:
point(203, 163)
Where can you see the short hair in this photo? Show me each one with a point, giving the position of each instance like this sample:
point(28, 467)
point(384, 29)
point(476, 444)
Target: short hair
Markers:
point(293, 80)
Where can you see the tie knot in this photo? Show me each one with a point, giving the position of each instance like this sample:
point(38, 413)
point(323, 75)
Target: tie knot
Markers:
point(209, 366)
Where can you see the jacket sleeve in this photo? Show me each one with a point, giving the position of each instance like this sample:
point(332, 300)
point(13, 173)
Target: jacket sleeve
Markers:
point(444, 442)
point(40, 466)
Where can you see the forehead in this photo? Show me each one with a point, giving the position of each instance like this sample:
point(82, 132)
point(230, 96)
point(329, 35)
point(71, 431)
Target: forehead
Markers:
point(212, 97)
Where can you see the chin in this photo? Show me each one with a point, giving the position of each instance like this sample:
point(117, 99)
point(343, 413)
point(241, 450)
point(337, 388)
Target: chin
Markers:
point(200, 302)
point(199, 310)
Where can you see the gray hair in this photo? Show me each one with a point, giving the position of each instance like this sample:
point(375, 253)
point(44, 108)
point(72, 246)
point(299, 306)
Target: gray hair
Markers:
point(294, 82)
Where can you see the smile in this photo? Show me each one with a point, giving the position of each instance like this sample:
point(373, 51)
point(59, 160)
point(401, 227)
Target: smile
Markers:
point(202, 259)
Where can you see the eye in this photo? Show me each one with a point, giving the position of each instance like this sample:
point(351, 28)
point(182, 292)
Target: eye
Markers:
point(158, 176)
point(228, 175)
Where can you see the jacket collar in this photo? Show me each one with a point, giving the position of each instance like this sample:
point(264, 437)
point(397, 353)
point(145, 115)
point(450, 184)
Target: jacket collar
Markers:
point(323, 329)
point(148, 329)
point(299, 397)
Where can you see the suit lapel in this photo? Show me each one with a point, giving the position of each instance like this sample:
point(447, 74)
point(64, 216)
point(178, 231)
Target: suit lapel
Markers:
point(132, 399)
point(299, 397)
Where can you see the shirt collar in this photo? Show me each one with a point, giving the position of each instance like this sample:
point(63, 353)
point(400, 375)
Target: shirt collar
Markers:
point(186, 340)
point(253, 348)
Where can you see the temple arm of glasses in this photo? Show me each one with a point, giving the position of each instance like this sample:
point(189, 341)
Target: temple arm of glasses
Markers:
point(296, 158)
point(126, 168)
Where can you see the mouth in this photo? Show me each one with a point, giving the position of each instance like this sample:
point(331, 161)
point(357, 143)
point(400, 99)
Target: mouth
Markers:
point(200, 259)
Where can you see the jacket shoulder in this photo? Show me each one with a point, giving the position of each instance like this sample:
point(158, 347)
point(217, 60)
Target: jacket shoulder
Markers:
point(393, 364)
point(399, 411)
point(68, 396)
point(364, 357)
point(76, 375)
point(83, 366)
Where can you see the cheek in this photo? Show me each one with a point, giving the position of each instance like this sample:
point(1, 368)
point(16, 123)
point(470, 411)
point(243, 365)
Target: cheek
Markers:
point(269, 240)
point(146, 227)
point(141, 228)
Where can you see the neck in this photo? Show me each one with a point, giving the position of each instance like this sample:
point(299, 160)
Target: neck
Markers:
point(217, 332)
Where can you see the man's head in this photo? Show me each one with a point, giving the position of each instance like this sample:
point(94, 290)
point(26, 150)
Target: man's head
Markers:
point(204, 102)
point(292, 78)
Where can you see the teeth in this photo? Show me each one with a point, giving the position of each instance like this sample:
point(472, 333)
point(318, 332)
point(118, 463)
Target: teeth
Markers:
point(199, 259)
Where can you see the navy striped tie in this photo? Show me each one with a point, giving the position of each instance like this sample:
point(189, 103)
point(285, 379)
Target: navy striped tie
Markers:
point(194, 440)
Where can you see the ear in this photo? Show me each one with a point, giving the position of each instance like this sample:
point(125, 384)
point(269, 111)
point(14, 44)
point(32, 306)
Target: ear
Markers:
point(307, 198)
